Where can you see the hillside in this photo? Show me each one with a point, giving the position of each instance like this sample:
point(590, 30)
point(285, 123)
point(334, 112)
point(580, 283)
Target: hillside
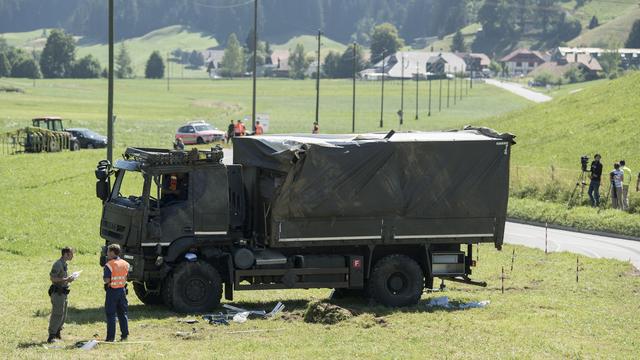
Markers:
point(599, 119)
point(611, 34)
point(164, 40)
point(310, 44)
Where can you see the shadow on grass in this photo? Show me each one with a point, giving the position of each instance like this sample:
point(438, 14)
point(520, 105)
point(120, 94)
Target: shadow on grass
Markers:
point(97, 315)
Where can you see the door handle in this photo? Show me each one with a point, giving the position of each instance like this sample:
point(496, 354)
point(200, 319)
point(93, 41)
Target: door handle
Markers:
point(187, 229)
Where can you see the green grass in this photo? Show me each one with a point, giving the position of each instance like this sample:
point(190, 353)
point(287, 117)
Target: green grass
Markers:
point(601, 118)
point(164, 40)
point(310, 43)
point(611, 34)
point(148, 114)
point(468, 32)
point(48, 201)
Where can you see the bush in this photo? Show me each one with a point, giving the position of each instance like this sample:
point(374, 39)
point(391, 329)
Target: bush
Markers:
point(574, 75)
point(86, 68)
point(26, 68)
point(547, 79)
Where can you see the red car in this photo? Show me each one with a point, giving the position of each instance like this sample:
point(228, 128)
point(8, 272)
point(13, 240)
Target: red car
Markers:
point(199, 132)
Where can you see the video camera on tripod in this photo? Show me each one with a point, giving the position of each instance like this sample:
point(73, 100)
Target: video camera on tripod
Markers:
point(582, 179)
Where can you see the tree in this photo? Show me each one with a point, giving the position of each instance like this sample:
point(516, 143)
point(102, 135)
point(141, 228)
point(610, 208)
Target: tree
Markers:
point(298, 62)
point(87, 68)
point(58, 55)
point(196, 60)
point(594, 22)
point(124, 70)
point(155, 66)
point(26, 67)
point(232, 60)
point(331, 64)
point(458, 44)
point(633, 41)
point(384, 41)
point(5, 66)
point(574, 75)
point(610, 62)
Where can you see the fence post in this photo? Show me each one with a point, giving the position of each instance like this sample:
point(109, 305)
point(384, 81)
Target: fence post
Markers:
point(502, 279)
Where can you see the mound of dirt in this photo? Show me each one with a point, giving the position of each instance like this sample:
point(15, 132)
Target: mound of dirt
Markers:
point(319, 312)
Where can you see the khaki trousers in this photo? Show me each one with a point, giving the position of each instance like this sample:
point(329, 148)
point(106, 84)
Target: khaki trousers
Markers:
point(58, 312)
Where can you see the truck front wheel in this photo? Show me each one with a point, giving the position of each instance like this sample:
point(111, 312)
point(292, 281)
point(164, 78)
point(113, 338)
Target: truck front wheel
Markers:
point(195, 287)
point(396, 280)
point(146, 295)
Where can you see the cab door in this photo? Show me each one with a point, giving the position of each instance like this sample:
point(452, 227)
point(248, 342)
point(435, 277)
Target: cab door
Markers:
point(176, 210)
point(210, 190)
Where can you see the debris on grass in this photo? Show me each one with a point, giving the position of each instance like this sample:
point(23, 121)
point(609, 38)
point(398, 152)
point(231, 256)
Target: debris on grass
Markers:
point(11, 89)
point(443, 302)
point(367, 321)
point(187, 321)
point(320, 312)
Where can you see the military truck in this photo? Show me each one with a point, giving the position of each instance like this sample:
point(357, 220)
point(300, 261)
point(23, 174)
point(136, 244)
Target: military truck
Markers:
point(372, 215)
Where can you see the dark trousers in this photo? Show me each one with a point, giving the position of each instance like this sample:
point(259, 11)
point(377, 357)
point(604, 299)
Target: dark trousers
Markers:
point(116, 304)
point(594, 192)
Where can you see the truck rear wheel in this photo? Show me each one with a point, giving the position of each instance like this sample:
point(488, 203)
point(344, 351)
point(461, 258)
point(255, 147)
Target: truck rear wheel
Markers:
point(145, 295)
point(396, 280)
point(195, 287)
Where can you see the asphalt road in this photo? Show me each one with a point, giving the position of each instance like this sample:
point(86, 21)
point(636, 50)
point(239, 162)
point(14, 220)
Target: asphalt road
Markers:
point(559, 240)
point(519, 90)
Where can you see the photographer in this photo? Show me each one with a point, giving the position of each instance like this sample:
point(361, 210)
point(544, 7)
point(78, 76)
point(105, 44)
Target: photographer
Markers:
point(617, 178)
point(594, 185)
point(625, 185)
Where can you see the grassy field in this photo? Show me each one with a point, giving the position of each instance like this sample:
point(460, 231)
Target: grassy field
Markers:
point(310, 44)
point(611, 34)
point(49, 201)
point(600, 118)
point(149, 114)
point(164, 40)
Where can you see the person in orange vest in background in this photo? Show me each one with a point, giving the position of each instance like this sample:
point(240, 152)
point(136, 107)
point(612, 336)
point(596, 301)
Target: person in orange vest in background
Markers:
point(239, 129)
point(259, 129)
point(115, 282)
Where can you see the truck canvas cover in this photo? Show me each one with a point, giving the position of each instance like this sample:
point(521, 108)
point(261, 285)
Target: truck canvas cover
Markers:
point(436, 186)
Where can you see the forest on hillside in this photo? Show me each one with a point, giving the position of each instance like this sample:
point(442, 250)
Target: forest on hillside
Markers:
point(505, 22)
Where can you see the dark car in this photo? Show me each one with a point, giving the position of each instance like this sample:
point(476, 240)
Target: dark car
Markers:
point(89, 139)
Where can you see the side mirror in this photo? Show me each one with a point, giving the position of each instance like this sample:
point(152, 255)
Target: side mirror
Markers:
point(102, 189)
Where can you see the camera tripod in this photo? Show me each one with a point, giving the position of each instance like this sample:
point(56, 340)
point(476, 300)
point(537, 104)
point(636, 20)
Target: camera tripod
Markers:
point(581, 183)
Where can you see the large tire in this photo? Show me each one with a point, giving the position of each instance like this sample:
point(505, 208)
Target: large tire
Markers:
point(196, 287)
point(147, 297)
point(338, 294)
point(396, 280)
point(166, 291)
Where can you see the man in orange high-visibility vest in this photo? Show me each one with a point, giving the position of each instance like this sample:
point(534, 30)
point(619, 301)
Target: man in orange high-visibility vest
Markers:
point(115, 282)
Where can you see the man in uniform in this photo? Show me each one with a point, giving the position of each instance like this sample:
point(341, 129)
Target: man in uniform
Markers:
point(58, 293)
point(115, 281)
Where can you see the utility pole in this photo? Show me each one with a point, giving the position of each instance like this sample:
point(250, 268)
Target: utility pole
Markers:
point(318, 80)
point(461, 83)
point(355, 69)
point(448, 87)
point(455, 86)
point(382, 94)
point(110, 88)
point(467, 89)
point(429, 80)
point(417, 83)
point(402, 91)
point(440, 96)
point(168, 73)
point(255, 63)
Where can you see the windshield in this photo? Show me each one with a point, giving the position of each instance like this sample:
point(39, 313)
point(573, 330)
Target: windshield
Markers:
point(90, 134)
point(204, 127)
point(128, 188)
